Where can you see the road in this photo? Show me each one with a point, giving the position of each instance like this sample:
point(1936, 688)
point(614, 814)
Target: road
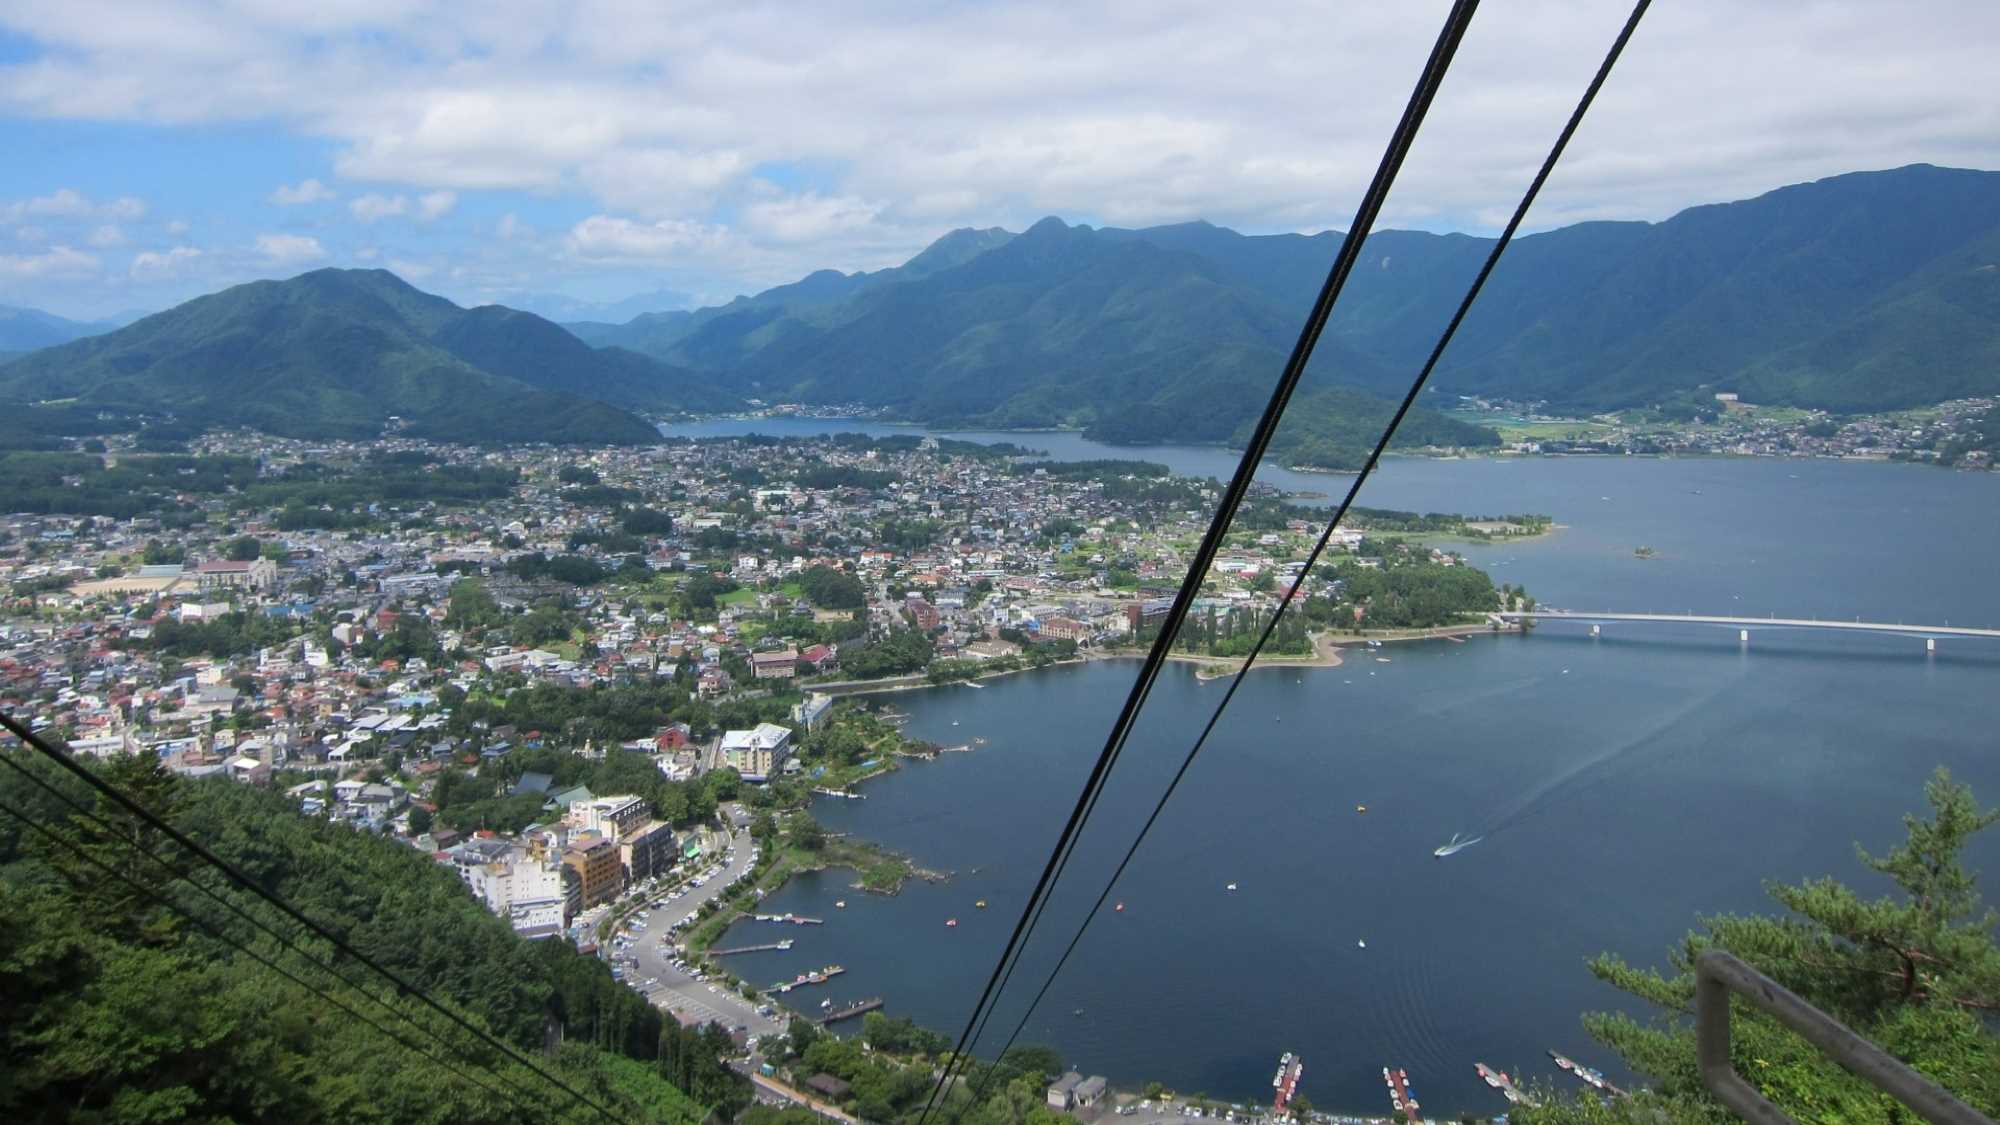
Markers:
point(677, 991)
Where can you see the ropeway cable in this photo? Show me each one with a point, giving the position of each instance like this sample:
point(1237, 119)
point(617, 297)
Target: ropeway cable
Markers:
point(240, 878)
point(1375, 455)
point(158, 895)
point(1400, 142)
point(175, 874)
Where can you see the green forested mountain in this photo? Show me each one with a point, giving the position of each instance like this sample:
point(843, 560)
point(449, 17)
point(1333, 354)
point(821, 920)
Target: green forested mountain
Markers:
point(116, 1008)
point(335, 353)
point(1864, 291)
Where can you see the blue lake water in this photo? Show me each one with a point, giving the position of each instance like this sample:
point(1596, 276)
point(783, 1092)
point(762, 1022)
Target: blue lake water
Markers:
point(1624, 784)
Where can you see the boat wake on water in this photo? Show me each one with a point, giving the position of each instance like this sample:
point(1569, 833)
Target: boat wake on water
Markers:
point(1455, 846)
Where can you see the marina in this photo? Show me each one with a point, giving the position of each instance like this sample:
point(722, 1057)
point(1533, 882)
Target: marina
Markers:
point(789, 919)
point(1587, 1075)
point(1499, 1081)
point(1401, 1098)
point(770, 947)
point(1286, 1081)
point(849, 1011)
point(817, 976)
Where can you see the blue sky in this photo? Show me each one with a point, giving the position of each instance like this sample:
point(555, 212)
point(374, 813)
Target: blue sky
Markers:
point(595, 150)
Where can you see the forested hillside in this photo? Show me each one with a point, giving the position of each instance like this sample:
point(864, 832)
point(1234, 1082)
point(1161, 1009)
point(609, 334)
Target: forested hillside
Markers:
point(113, 1007)
point(1866, 291)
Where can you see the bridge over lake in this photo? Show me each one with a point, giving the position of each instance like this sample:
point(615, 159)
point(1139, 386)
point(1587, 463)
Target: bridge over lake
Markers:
point(1929, 634)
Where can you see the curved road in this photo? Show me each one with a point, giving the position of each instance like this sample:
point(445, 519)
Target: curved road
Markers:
point(676, 991)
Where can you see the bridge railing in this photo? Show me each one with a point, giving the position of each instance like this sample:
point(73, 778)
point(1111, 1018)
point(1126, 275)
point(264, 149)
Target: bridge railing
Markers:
point(1719, 975)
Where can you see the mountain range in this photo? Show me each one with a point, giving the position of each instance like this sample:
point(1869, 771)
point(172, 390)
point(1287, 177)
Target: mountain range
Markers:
point(1866, 291)
point(338, 353)
point(23, 330)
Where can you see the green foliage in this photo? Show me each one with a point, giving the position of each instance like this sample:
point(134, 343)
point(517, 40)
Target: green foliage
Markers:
point(243, 549)
point(900, 653)
point(828, 588)
point(1918, 974)
point(118, 1009)
point(338, 353)
point(232, 634)
point(577, 570)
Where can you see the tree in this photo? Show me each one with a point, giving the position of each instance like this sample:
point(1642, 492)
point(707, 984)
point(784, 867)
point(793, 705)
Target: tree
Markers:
point(420, 820)
point(244, 549)
point(1918, 975)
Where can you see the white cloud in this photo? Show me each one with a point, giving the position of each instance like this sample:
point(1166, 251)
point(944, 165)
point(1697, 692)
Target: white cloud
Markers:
point(57, 262)
point(606, 238)
point(107, 236)
point(409, 270)
point(305, 191)
point(808, 218)
point(436, 204)
point(290, 249)
point(159, 265)
point(884, 128)
point(371, 207)
point(510, 227)
point(68, 203)
point(177, 227)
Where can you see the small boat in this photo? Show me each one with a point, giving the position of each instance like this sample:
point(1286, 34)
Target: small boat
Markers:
point(840, 904)
point(950, 922)
point(1230, 887)
point(1120, 908)
point(825, 1004)
point(1455, 845)
point(981, 904)
point(954, 722)
point(1076, 1011)
point(1361, 945)
point(1361, 808)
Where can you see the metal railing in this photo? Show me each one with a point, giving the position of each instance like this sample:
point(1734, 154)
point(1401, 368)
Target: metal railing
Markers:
point(1718, 974)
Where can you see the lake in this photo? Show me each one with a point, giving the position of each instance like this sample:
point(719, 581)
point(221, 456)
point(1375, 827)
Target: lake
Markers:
point(1623, 784)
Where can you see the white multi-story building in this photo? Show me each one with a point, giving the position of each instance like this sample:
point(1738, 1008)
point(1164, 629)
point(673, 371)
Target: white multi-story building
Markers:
point(757, 754)
point(523, 888)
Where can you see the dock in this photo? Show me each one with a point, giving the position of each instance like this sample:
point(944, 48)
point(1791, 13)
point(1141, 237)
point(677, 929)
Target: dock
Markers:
point(1589, 1077)
point(769, 947)
point(789, 919)
point(849, 1011)
point(841, 793)
point(820, 976)
point(1400, 1097)
point(961, 748)
point(1499, 1081)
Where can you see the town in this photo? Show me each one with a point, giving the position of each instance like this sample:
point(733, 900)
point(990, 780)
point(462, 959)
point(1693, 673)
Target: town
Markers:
point(606, 684)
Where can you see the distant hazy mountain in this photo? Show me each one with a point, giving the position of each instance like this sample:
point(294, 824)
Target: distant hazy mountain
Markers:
point(1864, 291)
point(335, 353)
point(24, 330)
point(559, 307)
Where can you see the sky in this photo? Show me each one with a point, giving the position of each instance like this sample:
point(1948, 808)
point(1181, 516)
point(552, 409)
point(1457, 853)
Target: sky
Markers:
point(554, 154)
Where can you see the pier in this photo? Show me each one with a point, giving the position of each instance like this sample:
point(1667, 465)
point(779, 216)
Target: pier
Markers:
point(1398, 1082)
point(789, 919)
point(1499, 1081)
point(842, 793)
point(820, 976)
point(776, 945)
point(849, 1011)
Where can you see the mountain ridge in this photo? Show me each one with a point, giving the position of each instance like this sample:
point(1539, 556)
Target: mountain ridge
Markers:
point(338, 353)
point(1864, 291)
